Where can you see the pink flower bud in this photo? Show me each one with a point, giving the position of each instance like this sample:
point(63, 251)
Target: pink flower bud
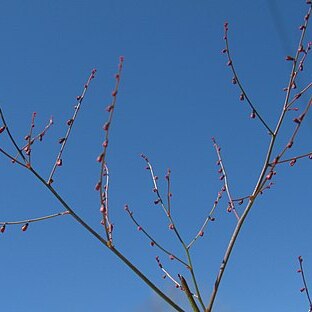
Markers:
point(171, 257)
point(139, 228)
point(152, 243)
point(201, 233)
point(109, 108)
point(292, 162)
point(98, 186)
point(290, 144)
point(171, 226)
point(110, 228)
point(100, 158)
point(114, 93)
point(242, 97)
point(2, 229)
point(2, 129)
point(59, 162)
point(61, 140)
point(289, 58)
point(106, 126)
point(24, 227)
point(69, 122)
point(269, 175)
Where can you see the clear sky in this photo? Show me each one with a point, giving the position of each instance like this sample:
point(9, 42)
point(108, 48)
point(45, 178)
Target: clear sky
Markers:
point(175, 94)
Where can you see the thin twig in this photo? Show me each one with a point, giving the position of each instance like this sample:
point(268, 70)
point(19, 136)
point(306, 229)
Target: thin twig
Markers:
point(224, 177)
point(13, 159)
point(305, 288)
point(151, 238)
point(289, 160)
point(237, 80)
point(38, 136)
point(11, 137)
point(173, 227)
point(102, 158)
point(35, 219)
point(27, 149)
point(209, 218)
point(70, 124)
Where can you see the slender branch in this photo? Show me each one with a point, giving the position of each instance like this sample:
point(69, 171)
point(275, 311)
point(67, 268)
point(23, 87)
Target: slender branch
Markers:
point(299, 94)
point(237, 81)
point(70, 124)
point(305, 288)
point(173, 227)
point(102, 158)
point(289, 160)
point(27, 149)
point(11, 137)
point(209, 218)
point(150, 237)
point(38, 136)
point(35, 219)
point(225, 177)
point(13, 159)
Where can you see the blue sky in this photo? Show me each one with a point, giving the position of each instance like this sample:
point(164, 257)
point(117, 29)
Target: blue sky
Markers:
point(175, 94)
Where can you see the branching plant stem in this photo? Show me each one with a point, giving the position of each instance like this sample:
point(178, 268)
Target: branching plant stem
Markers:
point(262, 176)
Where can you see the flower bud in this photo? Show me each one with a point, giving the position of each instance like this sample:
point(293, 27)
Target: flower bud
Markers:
point(25, 227)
